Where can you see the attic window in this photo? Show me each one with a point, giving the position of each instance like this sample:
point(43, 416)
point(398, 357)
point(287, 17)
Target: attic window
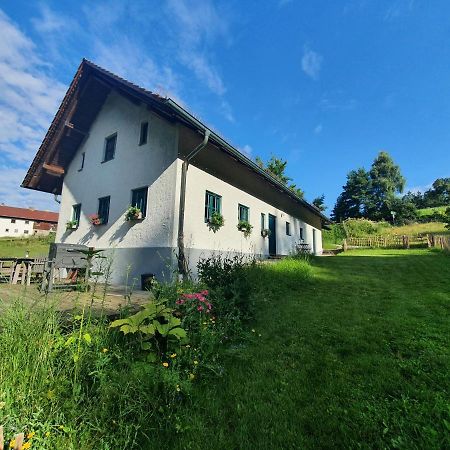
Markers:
point(144, 133)
point(110, 147)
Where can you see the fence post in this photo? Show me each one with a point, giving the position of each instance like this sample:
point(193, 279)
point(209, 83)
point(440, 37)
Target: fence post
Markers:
point(344, 245)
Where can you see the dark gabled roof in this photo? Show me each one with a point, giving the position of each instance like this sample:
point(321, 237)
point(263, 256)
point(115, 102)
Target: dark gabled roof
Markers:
point(81, 104)
point(28, 214)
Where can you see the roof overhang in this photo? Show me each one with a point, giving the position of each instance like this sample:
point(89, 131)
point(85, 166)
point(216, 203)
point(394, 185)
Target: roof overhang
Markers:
point(83, 100)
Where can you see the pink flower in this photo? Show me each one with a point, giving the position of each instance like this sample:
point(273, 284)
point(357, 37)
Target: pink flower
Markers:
point(200, 308)
point(189, 295)
point(179, 301)
point(205, 292)
point(209, 306)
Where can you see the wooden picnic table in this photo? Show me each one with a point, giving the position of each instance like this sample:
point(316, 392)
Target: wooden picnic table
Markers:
point(14, 270)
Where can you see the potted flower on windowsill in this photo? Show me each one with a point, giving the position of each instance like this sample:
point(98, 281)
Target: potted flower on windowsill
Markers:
point(216, 221)
point(133, 213)
point(95, 219)
point(71, 225)
point(265, 232)
point(245, 227)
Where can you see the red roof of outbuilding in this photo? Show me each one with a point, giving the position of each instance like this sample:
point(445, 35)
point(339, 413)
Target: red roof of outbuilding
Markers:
point(28, 214)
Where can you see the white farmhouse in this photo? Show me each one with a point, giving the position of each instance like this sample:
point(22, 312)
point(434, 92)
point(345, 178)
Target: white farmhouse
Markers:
point(113, 144)
point(26, 222)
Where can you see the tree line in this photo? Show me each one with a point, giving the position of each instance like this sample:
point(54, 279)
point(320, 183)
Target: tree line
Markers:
point(375, 194)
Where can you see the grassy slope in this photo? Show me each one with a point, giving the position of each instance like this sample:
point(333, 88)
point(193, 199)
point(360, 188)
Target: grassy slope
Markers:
point(13, 248)
point(429, 211)
point(357, 356)
point(418, 228)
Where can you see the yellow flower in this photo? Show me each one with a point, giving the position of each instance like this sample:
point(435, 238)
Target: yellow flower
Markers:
point(26, 445)
point(105, 350)
point(47, 434)
point(12, 444)
point(31, 435)
point(191, 376)
point(173, 355)
point(61, 427)
point(165, 364)
point(195, 362)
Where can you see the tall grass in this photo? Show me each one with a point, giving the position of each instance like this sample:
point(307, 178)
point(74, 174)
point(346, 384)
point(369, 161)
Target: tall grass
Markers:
point(76, 383)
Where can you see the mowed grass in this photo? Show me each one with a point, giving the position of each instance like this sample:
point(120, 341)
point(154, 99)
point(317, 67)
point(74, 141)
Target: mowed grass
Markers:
point(351, 353)
point(18, 247)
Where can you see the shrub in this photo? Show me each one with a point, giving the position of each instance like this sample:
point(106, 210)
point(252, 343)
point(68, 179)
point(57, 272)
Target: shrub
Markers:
point(228, 283)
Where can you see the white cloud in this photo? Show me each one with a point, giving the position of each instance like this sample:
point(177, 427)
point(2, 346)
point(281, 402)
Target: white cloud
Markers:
point(318, 129)
point(247, 150)
point(311, 63)
point(12, 195)
point(398, 8)
point(337, 101)
point(126, 59)
point(30, 97)
point(416, 189)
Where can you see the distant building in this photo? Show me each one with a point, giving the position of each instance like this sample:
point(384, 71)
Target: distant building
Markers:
point(23, 222)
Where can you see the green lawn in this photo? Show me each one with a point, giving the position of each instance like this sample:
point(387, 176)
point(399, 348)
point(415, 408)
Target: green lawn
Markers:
point(430, 211)
point(18, 247)
point(357, 356)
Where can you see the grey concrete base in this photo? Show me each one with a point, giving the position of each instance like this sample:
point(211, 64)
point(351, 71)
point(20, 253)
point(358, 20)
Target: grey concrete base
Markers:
point(128, 264)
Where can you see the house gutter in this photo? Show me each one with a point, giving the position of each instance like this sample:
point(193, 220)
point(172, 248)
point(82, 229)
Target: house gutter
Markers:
point(220, 142)
point(182, 263)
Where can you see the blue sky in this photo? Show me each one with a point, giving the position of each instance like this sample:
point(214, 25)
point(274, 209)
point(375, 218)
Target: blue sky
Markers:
point(324, 84)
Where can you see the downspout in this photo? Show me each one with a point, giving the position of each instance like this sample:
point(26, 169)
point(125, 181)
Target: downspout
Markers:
point(182, 263)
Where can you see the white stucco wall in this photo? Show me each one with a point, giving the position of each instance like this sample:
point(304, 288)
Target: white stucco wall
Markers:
point(149, 245)
point(134, 166)
point(229, 238)
point(17, 229)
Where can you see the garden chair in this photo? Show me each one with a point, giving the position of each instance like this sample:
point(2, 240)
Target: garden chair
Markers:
point(6, 271)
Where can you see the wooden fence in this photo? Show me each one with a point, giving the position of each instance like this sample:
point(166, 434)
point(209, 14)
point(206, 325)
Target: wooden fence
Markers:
point(396, 241)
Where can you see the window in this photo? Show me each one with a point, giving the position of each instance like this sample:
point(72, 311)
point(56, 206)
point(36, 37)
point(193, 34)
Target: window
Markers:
point(27, 222)
point(83, 156)
point(26, 232)
point(110, 147)
point(103, 209)
point(144, 133)
point(13, 220)
point(243, 212)
point(213, 203)
point(263, 221)
point(139, 199)
point(76, 213)
point(288, 228)
point(301, 233)
point(16, 230)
